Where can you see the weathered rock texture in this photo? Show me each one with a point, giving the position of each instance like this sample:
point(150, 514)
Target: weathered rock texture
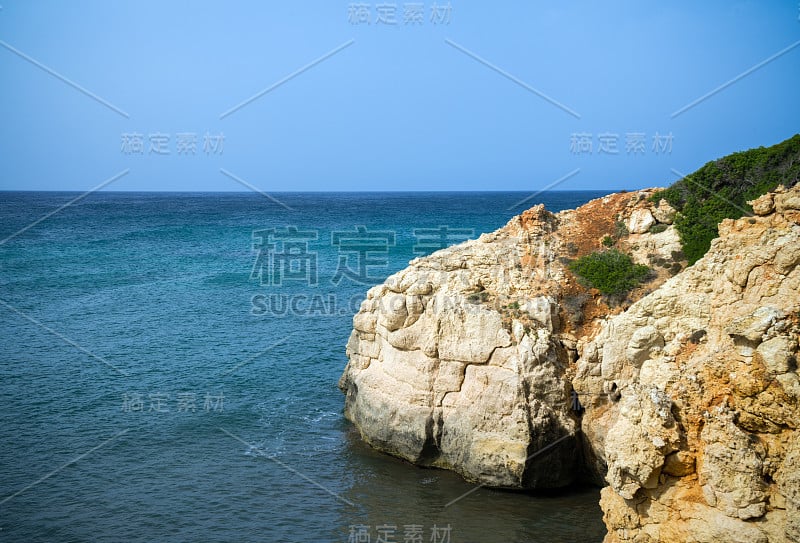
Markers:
point(467, 360)
point(440, 374)
point(700, 438)
point(461, 360)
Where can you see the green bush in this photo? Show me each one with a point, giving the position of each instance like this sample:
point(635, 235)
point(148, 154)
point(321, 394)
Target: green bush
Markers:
point(720, 190)
point(620, 230)
point(610, 272)
point(658, 227)
point(608, 241)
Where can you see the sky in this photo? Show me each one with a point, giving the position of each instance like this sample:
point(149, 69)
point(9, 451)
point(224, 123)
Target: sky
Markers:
point(352, 96)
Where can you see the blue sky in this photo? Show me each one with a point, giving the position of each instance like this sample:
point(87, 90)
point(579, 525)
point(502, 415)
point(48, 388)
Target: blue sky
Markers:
point(488, 96)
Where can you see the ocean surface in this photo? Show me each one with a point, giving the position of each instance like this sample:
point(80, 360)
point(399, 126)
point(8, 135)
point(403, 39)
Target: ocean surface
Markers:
point(169, 367)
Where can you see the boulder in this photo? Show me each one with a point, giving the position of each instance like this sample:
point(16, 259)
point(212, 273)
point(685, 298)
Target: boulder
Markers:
point(640, 221)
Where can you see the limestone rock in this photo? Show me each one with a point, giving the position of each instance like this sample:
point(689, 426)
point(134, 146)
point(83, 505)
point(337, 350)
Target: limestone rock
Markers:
point(787, 201)
point(778, 354)
point(443, 374)
point(639, 439)
point(751, 328)
point(731, 475)
point(690, 396)
point(723, 470)
point(764, 204)
point(788, 481)
point(664, 213)
point(640, 221)
point(662, 245)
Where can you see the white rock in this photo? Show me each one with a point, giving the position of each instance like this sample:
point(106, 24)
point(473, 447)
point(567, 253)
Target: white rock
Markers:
point(664, 213)
point(640, 221)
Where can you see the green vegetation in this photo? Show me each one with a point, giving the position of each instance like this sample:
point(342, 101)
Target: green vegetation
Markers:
point(620, 230)
point(720, 190)
point(659, 260)
point(608, 241)
point(610, 272)
point(658, 227)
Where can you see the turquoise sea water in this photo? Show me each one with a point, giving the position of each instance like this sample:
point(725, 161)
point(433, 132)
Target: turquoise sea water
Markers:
point(168, 370)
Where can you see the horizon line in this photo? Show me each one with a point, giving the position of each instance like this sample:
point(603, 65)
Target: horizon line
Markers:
point(394, 191)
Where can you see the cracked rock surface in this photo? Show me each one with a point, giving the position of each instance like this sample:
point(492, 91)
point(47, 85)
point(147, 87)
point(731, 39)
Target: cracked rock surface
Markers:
point(441, 375)
point(703, 443)
point(468, 358)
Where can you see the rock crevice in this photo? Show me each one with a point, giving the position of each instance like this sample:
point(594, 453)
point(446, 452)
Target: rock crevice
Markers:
point(490, 359)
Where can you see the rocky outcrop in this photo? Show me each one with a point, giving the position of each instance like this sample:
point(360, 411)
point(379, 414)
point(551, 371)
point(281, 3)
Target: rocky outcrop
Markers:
point(472, 358)
point(446, 371)
point(700, 440)
point(461, 360)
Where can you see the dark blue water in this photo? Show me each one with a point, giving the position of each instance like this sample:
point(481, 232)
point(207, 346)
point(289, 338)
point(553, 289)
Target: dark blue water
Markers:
point(168, 369)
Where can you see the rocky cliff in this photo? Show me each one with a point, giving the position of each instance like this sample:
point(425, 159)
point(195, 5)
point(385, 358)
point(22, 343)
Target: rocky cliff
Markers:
point(472, 358)
point(700, 438)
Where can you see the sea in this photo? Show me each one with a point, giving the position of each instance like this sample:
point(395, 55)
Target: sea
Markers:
point(169, 367)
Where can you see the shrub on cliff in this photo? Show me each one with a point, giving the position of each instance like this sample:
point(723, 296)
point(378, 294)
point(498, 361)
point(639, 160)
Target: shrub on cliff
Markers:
point(610, 272)
point(720, 190)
